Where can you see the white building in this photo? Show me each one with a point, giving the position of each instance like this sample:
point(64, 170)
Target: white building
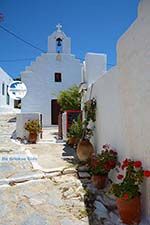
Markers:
point(123, 97)
point(52, 72)
point(6, 103)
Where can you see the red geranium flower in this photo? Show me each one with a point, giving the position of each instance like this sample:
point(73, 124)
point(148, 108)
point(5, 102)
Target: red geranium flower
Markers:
point(94, 162)
point(147, 173)
point(107, 166)
point(112, 164)
point(120, 176)
point(137, 164)
point(125, 197)
point(125, 163)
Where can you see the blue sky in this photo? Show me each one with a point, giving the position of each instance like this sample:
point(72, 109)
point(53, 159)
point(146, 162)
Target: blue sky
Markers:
point(93, 25)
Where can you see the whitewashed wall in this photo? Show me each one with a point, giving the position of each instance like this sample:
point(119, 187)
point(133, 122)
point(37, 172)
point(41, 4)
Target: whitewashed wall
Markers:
point(123, 98)
point(64, 125)
point(41, 87)
point(6, 79)
point(95, 65)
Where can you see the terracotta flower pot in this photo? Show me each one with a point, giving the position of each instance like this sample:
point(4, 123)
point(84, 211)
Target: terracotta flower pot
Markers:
point(73, 141)
point(32, 138)
point(85, 150)
point(99, 181)
point(129, 210)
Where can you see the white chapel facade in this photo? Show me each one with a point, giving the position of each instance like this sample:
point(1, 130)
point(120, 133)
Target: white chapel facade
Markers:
point(52, 72)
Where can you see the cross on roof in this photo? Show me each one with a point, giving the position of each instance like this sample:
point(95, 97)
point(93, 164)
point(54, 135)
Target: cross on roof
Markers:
point(59, 26)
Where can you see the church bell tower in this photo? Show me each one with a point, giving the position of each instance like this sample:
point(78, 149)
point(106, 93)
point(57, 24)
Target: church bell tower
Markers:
point(58, 42)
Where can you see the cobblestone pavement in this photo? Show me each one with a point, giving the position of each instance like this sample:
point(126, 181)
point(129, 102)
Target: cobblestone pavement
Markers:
point(42, 192)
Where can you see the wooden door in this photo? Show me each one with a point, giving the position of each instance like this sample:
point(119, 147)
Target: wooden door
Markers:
point(55, 109)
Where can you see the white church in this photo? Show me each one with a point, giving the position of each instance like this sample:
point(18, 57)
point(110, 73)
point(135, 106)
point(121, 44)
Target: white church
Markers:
point(56, 70)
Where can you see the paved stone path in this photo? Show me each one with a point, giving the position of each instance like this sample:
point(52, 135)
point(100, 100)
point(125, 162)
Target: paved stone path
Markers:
point(42, 192)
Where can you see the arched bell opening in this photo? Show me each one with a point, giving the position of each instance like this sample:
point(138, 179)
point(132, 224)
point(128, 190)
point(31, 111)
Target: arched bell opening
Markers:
point(59, 45)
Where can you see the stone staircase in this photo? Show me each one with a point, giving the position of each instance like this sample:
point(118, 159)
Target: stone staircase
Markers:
point(50, 135)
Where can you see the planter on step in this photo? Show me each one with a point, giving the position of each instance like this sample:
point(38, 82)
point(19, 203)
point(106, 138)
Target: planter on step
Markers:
point(34, 128)
point(99, 181)
point(32, 138)
point(73, 141)
point(130, 210)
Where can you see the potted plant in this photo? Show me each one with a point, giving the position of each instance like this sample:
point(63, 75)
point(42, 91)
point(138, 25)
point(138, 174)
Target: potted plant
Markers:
point(127, 191)
point(101, 165)
point(34, 128)
point(75, 132)
point(85, 148)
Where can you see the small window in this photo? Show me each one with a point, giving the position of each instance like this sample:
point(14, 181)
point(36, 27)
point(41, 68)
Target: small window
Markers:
point(7, 97)
point(3, 89)
point(58, 77)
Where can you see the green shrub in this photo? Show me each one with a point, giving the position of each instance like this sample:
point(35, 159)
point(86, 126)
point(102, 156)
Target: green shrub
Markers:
point(76, 129)
point(70, 99)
